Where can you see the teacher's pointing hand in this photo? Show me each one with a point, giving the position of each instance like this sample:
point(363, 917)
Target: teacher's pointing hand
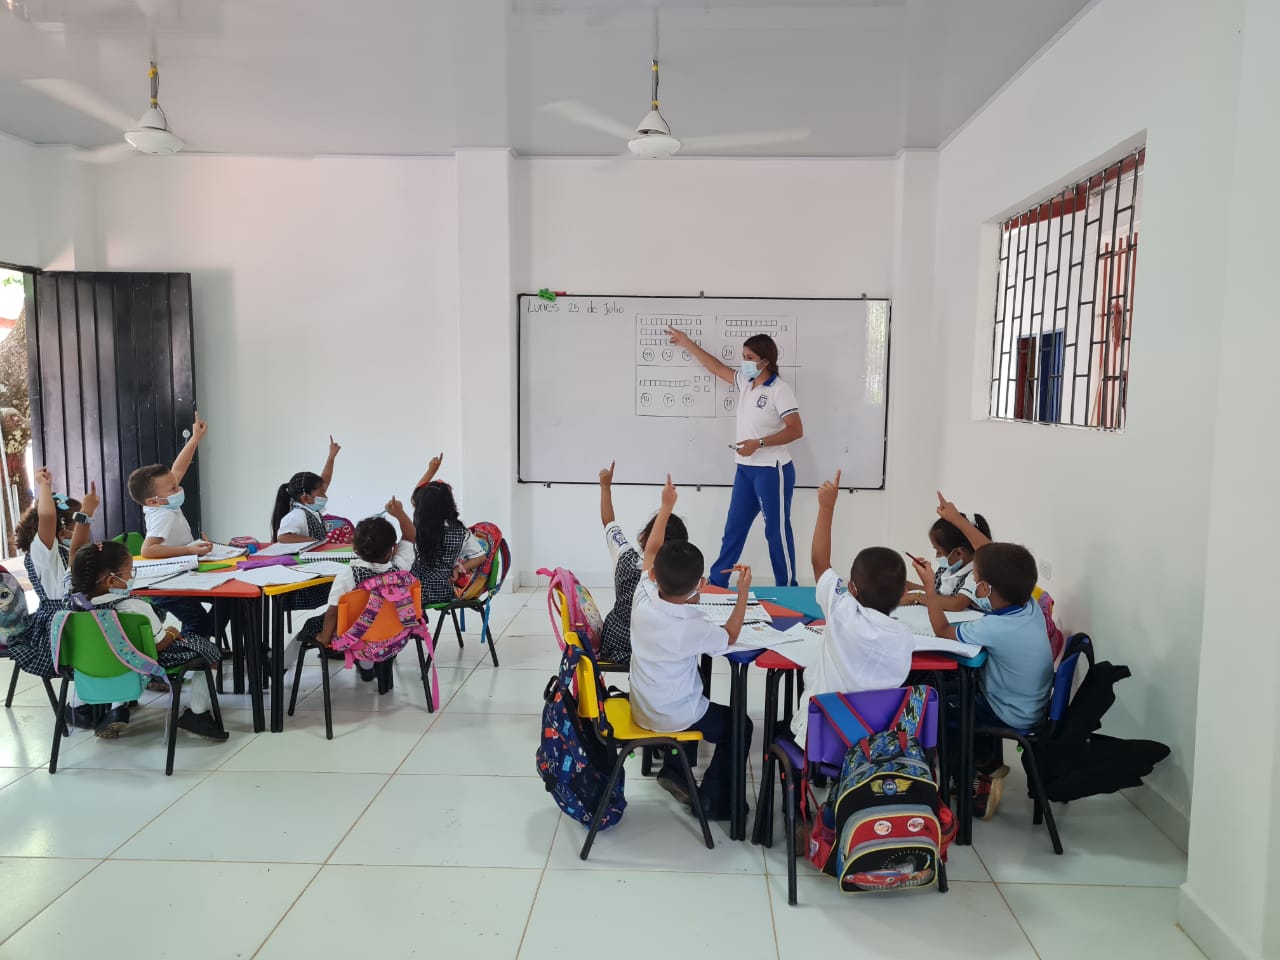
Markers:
point(679, 337)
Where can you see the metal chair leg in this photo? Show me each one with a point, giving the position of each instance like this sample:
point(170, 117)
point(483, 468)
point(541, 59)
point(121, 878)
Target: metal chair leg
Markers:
point(214, 706)
point(297, 675)
point(328, 706)
point(790, 785)
point(693, 795)
point(426, 676)
point(604, 803)
point(58, 725)
point(1042, 798)
point(175, 696)
point(13, 687)
point(453, 615)
point(488, 635)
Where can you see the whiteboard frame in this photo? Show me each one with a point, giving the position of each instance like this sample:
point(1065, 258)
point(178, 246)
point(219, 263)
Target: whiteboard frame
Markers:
point(888, 386)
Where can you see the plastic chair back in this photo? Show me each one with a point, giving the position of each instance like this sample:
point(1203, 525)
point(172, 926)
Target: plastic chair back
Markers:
point(1065, 674)
point(132, 542)
point(386, 624)
point(85, 649)
point(878, 708)
point(588, 685)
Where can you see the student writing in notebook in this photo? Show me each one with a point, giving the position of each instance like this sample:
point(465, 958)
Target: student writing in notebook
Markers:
point(615, 644)
point(1018, 677)
point(298, 513)
point(443, 542)
point(863, 647)
point(158, 489)
point(953, 574)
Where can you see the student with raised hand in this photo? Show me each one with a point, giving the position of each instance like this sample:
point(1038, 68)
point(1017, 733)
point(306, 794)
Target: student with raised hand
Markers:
point(863, 647)
point(443, 541)
point(50, 532)
point(298, 513)
point(953, 577)
point(668, 638)
point(1018, 676)
point(615, 643)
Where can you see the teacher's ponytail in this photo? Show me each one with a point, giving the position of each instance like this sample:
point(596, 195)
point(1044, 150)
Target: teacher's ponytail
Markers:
point(762, 346)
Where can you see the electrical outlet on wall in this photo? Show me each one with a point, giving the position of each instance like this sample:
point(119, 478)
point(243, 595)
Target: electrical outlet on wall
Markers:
point(1046, 569)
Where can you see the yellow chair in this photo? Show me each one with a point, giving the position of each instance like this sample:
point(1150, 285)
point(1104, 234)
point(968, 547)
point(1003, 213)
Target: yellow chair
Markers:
point(617, 730)
point(566, 628)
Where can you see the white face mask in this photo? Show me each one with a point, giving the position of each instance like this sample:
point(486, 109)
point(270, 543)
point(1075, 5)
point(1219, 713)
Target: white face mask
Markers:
point(750, 369)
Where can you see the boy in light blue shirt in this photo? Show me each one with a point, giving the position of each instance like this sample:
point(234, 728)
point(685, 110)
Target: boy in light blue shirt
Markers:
point(1018, 677)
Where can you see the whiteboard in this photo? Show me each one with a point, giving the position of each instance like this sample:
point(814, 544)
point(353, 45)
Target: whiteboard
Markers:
point(600, 381)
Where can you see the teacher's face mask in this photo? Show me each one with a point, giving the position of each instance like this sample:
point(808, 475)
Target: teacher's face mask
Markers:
point(750, 369)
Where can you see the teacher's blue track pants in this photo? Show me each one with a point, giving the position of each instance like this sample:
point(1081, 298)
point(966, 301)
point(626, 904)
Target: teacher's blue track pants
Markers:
point(756, 490)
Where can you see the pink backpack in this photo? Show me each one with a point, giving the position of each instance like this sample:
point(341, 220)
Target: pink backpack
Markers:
point(1057, 639)
point(394, 587)
point(577, 612)
point(338, 529)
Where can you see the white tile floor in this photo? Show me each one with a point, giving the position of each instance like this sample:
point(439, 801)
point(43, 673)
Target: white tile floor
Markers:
point(412, 834)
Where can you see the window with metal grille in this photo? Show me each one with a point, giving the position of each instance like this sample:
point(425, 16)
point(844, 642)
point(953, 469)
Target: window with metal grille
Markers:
point(1064, 302)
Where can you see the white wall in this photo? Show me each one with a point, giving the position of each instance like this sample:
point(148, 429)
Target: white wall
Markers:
point(813, 228)
point(1118, 520)
point(325, 302)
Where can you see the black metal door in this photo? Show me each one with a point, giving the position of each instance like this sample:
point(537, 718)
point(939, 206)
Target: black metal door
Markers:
point(112, 384)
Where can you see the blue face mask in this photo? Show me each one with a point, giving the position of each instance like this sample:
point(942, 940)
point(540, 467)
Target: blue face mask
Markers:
point(122, 591)
point(750, 370)
point(176, 500)
point(984, 603)
point(319, 504)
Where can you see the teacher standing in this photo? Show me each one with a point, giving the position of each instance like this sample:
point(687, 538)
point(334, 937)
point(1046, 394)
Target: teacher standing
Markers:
point(768, 422)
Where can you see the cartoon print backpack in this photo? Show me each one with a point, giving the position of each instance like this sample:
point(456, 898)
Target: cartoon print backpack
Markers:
point(338, 529)
point(572, 762)
point(577, 613)
point(395, 587)
point(882, 827)
point(15, 616)
point(1057, 639)
point(470, 584)
point(121, 688)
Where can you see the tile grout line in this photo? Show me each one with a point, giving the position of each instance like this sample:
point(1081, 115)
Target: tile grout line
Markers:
point(1016, 919)
point(356, 820)
point(537, 890)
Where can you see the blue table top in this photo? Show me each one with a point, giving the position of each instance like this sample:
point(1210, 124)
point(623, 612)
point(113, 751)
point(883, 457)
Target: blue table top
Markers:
point(801, 599)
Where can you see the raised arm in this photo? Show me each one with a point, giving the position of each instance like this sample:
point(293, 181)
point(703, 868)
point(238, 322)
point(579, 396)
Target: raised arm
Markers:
point(951, 513)
point(820, 552)
point(659, 532)
point(407, 530)
point(682, 340)
point(89, 504)
point(733, 627)
point(182, 463)
point(606, 495)
point(432, 469)
point(327, 472)
point(937, 618)
point(46, 509)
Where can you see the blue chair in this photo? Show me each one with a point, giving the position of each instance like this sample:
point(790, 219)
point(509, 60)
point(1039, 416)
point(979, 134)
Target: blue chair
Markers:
point(1063, 678)
point(826, 753)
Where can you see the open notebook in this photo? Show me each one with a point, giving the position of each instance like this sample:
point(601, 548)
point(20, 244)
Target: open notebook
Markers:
point(149, 572)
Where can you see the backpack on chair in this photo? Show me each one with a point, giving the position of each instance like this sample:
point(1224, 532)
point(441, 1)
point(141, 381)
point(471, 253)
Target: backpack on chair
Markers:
point(470, 584)
point(395, 587)
point(338, 529)
point(882, 826)
point(572, 609)
point(15, 615)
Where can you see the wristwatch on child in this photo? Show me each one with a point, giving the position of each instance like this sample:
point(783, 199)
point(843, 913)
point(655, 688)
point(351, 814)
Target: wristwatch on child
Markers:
point(83, 518)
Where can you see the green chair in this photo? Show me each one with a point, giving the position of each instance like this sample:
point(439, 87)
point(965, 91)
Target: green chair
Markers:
point(85, 649)
point(132, 541)
point(459, 607)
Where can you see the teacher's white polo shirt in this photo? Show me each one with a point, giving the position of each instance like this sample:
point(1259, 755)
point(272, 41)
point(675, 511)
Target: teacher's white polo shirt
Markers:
point(760, 413)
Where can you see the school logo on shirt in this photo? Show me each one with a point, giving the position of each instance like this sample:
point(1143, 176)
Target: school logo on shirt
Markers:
point(762, 401)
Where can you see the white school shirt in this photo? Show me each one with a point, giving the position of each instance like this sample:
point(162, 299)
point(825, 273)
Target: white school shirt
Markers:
point(471, 548)
point(169, 524)
point(862, 649)
point(134, 605)
point(667, 640)
point(760, 413)
point(955, 583)
point(295, 521)
point(345, 582)
point(49, 567)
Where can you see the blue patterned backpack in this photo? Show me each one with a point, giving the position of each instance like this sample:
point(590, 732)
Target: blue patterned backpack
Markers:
point(572, 762)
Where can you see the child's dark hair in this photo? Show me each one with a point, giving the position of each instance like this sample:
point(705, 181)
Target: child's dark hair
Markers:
point(879, 575)
point(434, 510)
point(676, 530)
point(1009, 568)
point(946, 536)
point(92, 561)
point(762, 346)
point(678, 567)
point(25, 532)
point(142, 482)
point(375, 540)
point(299, 484)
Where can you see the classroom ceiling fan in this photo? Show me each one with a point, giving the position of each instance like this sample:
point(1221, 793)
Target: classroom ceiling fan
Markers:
point(148, 134)
point(652, 137)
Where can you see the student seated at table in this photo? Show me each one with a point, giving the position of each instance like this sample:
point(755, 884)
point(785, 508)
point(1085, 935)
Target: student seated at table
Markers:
point(101, 577)
point(158, 489)
point(444, 544)
point(668, 636)
point(615, 644)
point(863, 647)
point(297, 515)
point(376, 545)
point(1018, 676)
point(953, 577)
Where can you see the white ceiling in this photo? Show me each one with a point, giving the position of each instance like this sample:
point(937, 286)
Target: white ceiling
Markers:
point(414, 77)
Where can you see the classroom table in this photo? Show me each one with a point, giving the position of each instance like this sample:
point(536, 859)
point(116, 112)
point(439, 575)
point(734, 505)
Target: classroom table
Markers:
point(273, 610)
point(244, 601)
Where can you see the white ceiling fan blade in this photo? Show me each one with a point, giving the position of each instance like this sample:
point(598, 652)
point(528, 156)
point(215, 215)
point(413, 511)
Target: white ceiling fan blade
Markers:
point(78, 97)
point(584, 116)
point(762, 138)
point(109, 154)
